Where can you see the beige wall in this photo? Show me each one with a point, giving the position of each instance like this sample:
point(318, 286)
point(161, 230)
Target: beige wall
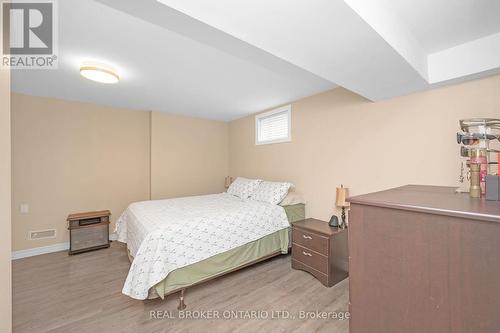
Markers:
point(339, 137)
point(189, 156)
point(5, 222)
point(72, 157)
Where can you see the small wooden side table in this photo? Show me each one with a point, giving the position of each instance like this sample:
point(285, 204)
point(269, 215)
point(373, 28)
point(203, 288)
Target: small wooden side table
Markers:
point(320, 250)
point(88, 231)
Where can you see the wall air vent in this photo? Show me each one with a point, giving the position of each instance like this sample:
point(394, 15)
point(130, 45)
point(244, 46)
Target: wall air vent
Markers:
point(42, 234)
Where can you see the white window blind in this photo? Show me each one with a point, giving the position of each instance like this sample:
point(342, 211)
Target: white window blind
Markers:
point(273, 126)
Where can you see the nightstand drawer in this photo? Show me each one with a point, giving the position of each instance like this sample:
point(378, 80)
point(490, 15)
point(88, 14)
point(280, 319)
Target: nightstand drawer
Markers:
point(311, 241)
point(323, 278)
point(310, 258)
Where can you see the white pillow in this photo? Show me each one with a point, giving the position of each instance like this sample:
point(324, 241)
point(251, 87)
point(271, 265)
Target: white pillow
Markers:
point(292, 199)
point(243, 188)
point(272, 192)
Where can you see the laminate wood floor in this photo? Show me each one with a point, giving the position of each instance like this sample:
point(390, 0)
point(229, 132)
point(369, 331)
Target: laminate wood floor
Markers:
point(82, 293)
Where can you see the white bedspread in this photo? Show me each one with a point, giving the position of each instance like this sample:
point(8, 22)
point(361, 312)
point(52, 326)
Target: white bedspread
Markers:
point(164, 235)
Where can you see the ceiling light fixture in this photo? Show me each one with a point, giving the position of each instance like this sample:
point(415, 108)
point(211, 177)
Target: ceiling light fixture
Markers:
point(99, 72)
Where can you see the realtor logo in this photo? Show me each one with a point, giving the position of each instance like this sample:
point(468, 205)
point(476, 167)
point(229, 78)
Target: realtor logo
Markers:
point(29, 34)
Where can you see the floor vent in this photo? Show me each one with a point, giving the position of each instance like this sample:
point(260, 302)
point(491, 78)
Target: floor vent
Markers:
point(41, 234)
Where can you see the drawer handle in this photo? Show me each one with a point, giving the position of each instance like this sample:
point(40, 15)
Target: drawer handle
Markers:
point(306, 254)
point(307, 237)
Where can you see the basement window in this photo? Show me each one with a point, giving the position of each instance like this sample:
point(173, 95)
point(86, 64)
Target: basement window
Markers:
point(273, 126)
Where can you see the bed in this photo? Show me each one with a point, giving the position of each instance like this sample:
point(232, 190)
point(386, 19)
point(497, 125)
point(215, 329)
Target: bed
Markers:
point(177, 243)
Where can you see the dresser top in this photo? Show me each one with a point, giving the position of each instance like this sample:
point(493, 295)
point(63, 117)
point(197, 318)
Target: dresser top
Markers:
point(318, 226)
point(439, 200)
point(88, 215)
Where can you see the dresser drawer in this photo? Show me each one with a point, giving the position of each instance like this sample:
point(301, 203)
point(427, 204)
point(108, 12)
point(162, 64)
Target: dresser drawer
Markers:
point(310, 258)
point(311, 241)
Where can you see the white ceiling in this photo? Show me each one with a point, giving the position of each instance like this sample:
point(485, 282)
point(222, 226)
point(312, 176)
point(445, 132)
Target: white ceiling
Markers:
point(223, 59)
point(438, 25)
point(163, 70)
point(369, 47)
point(325, 37)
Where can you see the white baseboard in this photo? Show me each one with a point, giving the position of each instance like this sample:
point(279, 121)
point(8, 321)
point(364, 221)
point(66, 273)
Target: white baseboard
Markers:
point(40, 250)
point(48, 249)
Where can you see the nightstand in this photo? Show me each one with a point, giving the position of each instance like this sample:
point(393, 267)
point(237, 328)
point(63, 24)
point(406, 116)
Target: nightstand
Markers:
point(320, 250)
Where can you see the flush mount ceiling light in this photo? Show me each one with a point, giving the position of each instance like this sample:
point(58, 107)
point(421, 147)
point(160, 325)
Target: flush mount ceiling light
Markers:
point(99, 72)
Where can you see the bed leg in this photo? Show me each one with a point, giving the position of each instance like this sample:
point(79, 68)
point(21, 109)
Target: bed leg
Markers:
point(182, 305)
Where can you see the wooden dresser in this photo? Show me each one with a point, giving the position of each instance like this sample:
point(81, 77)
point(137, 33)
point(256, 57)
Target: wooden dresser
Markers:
point(424, 259)
point(320, 250)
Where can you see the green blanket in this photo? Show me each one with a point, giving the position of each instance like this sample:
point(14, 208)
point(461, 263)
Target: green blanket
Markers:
point(223, 262)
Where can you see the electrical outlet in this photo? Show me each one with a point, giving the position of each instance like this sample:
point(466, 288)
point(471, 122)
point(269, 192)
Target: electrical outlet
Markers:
point(24, 208)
